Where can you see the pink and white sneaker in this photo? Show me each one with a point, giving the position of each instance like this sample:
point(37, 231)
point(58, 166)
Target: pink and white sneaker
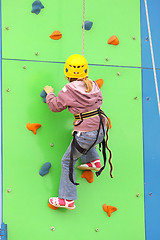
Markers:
point(63, 203)
point(94, 165)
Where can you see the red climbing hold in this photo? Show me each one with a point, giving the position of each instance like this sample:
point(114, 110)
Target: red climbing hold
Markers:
point(113, 40)
point(88, 175)
point(33, 127)
point(109, 209)
point(56, 35)
point(51, 206)
point(99, 82)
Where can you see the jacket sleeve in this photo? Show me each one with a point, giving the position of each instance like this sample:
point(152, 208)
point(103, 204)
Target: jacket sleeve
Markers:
point(57, 104)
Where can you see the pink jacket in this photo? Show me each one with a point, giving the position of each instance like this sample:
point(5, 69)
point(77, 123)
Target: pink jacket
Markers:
point(74, 97)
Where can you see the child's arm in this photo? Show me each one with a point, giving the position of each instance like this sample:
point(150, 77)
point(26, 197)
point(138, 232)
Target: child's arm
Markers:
point(56, 104)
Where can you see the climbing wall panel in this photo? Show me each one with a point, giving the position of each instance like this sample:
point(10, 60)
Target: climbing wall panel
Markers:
point(151, 153)
point(29, 33)
point(25, 207)
point(151, 118)
point(154, 18)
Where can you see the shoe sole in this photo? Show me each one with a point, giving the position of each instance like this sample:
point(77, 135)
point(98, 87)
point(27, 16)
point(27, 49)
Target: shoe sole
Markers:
point(88, 168)
point(69, 208)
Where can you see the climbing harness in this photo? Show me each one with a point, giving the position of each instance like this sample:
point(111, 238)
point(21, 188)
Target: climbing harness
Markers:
point(75, 144)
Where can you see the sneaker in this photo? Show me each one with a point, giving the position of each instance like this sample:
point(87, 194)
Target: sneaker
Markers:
point(94, 165)
point(63, 203)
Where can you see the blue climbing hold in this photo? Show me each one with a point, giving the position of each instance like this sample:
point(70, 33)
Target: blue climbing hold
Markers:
point(43, 95)
point(87, 25)
point(36, 7)
point(45, 168)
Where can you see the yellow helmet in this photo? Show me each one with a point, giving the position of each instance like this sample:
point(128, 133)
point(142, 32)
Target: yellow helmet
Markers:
point(76, 66)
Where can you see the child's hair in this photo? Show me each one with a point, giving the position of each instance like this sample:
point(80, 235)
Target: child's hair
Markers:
point(88, 82)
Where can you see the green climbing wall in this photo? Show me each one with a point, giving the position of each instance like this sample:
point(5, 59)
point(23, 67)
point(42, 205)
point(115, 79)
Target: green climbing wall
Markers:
point(25, 209)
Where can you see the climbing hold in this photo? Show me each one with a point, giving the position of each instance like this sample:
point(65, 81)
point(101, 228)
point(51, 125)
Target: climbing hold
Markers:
point(7, 28)
point(8, 90)
point(87, 25)
point(51, 144)
point(33, 127)
point(88, 175)
point(8, 190)
point(56, 35)
point(109, 209)
point(137, 195)
point(99, 82)
point(36, 7)
point(43, 95)
point(118, 73)
point(150, 194)
point(135, 98)
point(37, 53)
point(134, 37)
point(97, 230)
point(147, 38)
point(113, 40)
point(45, 168)
point(53, 229)
point(110, 125)
point(24, 66)
point(51, 206)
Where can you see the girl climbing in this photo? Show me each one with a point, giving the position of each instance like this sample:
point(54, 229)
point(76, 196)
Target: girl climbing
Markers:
point(83, 98)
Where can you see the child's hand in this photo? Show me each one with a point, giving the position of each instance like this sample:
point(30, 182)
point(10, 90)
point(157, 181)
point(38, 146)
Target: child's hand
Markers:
point(48, 89)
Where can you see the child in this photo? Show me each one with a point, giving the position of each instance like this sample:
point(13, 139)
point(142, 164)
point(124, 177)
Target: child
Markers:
point(81, 96)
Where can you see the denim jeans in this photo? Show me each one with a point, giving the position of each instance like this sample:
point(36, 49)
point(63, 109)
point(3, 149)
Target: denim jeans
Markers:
point(67, 190)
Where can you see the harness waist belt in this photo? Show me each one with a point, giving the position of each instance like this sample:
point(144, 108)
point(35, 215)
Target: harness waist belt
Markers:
point(90, 114)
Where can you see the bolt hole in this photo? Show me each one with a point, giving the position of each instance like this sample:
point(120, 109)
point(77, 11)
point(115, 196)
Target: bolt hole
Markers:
point(148, 98)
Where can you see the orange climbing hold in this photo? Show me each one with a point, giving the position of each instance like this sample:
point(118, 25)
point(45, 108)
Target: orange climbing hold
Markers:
point(113, 40)
point(51, 206)
point(56, 35)
point(99, 82)
point(109, 209)
point(110, 125)
point(33, 127)
point(88, 175)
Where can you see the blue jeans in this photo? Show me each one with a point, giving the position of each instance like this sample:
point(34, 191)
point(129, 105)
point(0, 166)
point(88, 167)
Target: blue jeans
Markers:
point(67, 190)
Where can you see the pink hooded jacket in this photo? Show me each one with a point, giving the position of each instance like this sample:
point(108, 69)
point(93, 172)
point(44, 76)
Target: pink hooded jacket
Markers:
point(74, 97)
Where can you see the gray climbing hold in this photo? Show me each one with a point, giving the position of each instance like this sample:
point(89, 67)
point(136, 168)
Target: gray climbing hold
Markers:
point(36, 7)
point(118, 73)
point(87, 25)
point(8, 190)
point(107, 58)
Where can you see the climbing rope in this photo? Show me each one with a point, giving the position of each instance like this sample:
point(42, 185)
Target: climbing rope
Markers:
point(153, 62)
point(83, 23)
